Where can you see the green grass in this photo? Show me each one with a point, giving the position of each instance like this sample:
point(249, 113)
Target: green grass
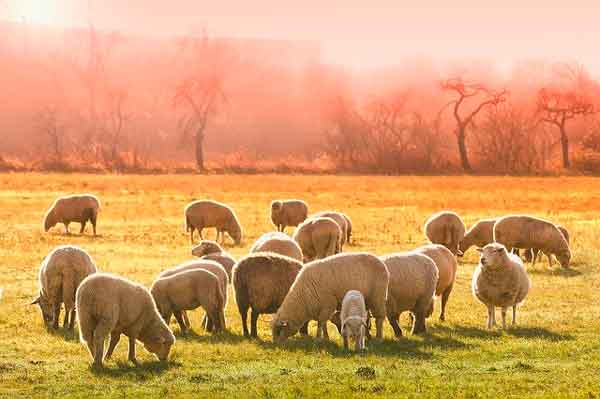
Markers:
point(554, 352)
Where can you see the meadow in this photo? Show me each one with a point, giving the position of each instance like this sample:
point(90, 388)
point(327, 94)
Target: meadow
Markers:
point(554, 352)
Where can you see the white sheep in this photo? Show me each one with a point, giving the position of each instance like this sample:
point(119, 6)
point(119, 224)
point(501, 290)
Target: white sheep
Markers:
point(210, 250)
point(480, 234)
point(446, 228)
point(353, 318)
point(206, 213)
point(279, 243)
point(341, 221)
point(290, 212)
point(447, 267)
point(318, 238)
point(78, 208)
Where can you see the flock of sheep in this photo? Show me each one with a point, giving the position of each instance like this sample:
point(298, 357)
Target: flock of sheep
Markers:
point(298, 279)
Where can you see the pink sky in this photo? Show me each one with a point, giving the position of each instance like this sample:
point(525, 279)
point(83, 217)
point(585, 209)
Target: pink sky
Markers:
point(356, 33)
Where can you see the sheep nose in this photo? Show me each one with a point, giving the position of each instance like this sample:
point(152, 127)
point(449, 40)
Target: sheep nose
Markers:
point(483, 261)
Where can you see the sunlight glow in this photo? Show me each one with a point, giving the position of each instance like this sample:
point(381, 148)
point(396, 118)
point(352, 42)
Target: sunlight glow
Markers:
point(38, 12)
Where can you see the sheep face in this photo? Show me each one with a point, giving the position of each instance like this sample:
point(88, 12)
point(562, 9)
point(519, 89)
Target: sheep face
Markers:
point(282, 330)
point(160, 345)
point(564, 258)
point(354, 327)
point(236, 234)
point(47, 309)
point(492, 255)
point(206, 248)
point(49, 221)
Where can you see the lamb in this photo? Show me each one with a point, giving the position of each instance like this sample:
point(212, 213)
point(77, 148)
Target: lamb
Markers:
point(341, 221)
point(261, 281)
point(279, 243)
point(288, 213)
point(188, 290)
point(446, 228)
point(206, 213)
point(210, 250)
point(203, 264)
point(108, 304)
point(500, 280)
point(480, 234)
point(60, 274)
point(79, 208)
point(447, 266)
point(354, 319)
point(318, 238)
point(521, 231)
point(321, 286)
point(413, 280)
point(531, 254)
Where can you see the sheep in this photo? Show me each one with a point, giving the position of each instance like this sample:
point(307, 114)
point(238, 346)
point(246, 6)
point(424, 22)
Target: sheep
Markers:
point(500, 280)
point(261, 282)
point(210, 250)
point(288, 213)
point(204, 264)
point(318, 238)
point(522, 231)
point(354, 319)
point(279, 243)
point(320, 288)
point(341, 221)
point(206, 213)
point(480, 234)
point(413, 280)
point(77, 208)
point(530, 255)
point(107, 304)
point(61, 272)
point(446, 228)
point(188, 290)
point(348, 227)
point(447, 266)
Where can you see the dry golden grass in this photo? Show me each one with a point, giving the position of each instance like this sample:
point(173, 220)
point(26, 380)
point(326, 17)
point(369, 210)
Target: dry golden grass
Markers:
point(553, 353)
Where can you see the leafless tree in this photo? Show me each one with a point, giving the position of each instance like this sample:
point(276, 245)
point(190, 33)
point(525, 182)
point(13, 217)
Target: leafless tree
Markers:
point(466, 91)
point(53, 130)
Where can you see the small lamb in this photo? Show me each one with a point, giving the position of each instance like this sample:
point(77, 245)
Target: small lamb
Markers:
point(354, 319)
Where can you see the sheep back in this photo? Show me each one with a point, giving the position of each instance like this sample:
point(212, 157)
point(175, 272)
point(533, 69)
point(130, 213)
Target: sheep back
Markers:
point(206, 213)
point(279, 243)
point(288, 212)
point(445, 262)
point(446, 228)
point(202, 264)
point(318, 238)
point(72, 208)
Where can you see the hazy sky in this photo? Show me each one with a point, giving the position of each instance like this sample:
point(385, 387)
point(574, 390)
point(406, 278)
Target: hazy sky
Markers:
point(358, 33)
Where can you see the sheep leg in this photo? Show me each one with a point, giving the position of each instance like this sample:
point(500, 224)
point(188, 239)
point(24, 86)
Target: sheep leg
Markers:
point(93, 220)
point(192, 235)
point(304, 329)
point(549, 260)
point(72, 321)
point(56, 316)
point(345, 341)
point(393, 320)
point(358, 344)
point(67, 228)
point(322, 330)
point(100, 333)
point(207, 323)
point(114, 340)
point(186, 319)
point(82, 229)
point(180, 321)
point(504, 317)
point(253, 321)
point(200, 232)
point(445, 296)
point(419, 326)
point(514, 314)
point(68, 311)
point(131, 356)
point(535, 255)
point(490, 310)
point(244, 315)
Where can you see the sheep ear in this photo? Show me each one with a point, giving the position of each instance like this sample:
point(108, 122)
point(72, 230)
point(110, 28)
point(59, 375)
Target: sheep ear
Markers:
point(35, 301)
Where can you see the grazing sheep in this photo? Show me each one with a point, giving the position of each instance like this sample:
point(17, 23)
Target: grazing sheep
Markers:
point(60, 274)
point(206, 213)
point(531, 255)
point(341, 221)
point(261, 282)
point(321, 286)
point(73, 208)
point(447, 266)
point(318, 238)
point(288, 213)
point(521, 231)
point(446, 228)
point(188, 290)
point(500, 280)
point(348, 227)
point(210, 250)
point(108, 304)
point(413, 280)
point(203, 264)
point(279, 243)
point(480, 235)
point(353, 317)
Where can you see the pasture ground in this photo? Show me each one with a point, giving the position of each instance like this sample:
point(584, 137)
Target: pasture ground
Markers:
point(553, 353)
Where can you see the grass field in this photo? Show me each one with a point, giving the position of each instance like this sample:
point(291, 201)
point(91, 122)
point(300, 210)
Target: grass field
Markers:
point(553, 353)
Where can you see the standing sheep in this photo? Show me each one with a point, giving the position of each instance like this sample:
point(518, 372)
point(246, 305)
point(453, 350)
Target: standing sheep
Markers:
point(60, 274)
point(108, 304)
point(318, 238)
point(210, 250)
point(187, 291)
point(288, 213)
point(279, 243)
point(341, 221)
point(206, 213)
point(500, 280)
point(413, 280)
point(321, 286)
point(354, 319)
point(447, 266)
point(79, 208)
point(446, 228)
point(521, 231)
point(261, 282)
point(480, 235)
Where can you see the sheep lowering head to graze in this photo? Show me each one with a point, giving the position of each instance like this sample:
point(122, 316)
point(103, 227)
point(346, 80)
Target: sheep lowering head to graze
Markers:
point(279, 243)
point(318, 238)
point(111, 305)
point(480, 234)
point(79, 208)
point(207, 247)
point(447, 267)
point(321, 286)
point(500, 280)
point(353, 318)
point(288, 213)
point(341, 221)
point(61, 272)
point(205, 213)
point(522, 231)
point(531, 254)
point(446, 228)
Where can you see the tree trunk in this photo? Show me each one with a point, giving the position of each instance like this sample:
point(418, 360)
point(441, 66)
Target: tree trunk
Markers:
point(564, 141)
point(200, 150)
point(462, 149)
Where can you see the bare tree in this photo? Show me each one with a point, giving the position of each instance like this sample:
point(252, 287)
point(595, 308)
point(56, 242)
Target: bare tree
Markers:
point(53, 130)
point(466, 91)
point(114, 122)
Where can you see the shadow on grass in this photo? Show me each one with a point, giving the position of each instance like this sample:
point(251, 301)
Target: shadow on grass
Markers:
point(555, 271)
point(223, 337)
point(65, 333)
point(538, 332)
point(518, 332)
point(142, 371)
